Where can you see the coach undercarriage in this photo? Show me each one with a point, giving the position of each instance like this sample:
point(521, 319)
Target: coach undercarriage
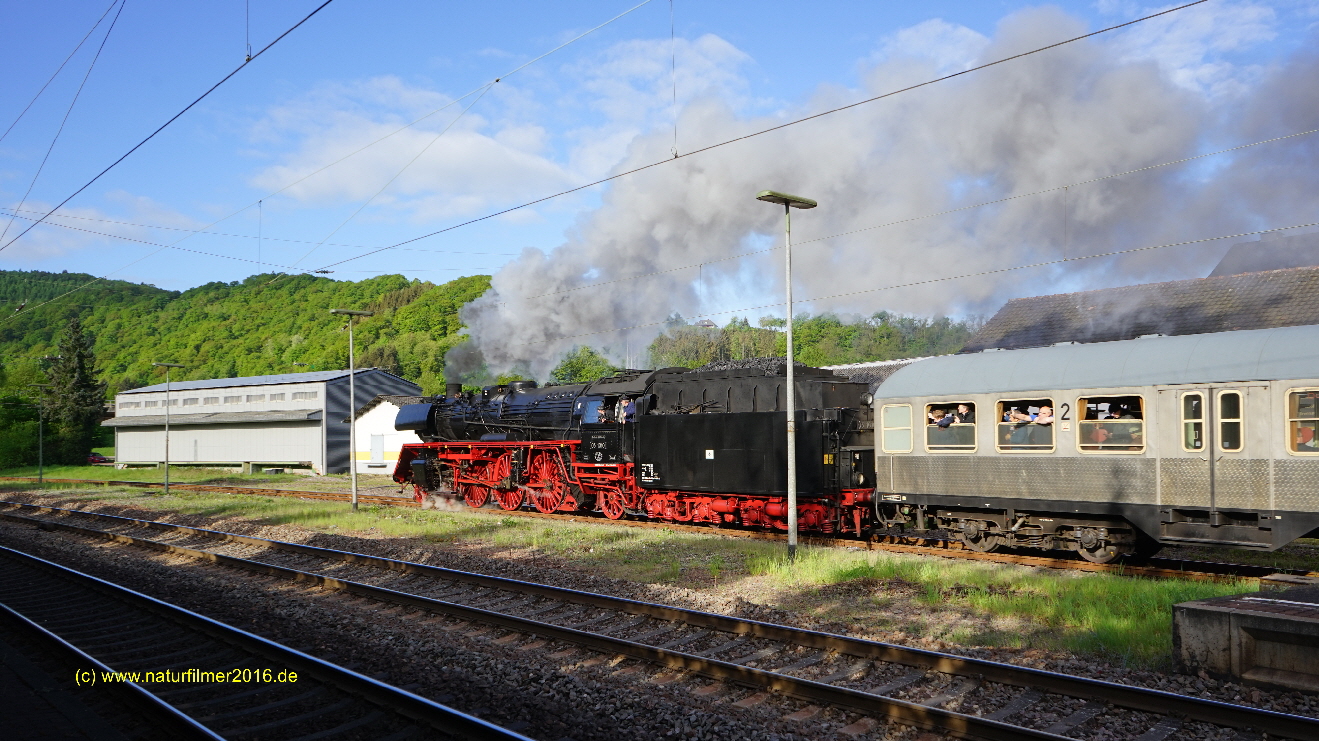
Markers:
point(548, 477)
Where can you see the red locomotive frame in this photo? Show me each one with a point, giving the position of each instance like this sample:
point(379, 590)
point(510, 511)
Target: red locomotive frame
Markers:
point(545, 475)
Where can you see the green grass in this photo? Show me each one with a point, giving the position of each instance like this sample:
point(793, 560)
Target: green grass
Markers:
point(1125, 619)
point(1122, 618)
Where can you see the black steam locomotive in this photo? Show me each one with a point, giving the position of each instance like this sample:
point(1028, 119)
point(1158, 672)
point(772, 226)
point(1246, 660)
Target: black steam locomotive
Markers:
point(704, 446)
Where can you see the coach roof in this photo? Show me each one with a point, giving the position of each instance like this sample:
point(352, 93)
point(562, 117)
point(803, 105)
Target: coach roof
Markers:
point(1220, 357)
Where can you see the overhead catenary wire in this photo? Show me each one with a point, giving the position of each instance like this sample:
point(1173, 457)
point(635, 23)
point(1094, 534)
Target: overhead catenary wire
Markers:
point(162, 127)
point(67, 112)
point(327, 2)
point(771, 129)
point(929, 281)
point(51, 222)
point(59, 69)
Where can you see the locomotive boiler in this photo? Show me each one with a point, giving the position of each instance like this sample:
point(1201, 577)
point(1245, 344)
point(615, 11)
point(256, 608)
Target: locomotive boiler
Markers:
point(674, 445)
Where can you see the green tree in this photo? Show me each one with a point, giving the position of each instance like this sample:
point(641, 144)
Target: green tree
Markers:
point(581, 365)
point(75, 401)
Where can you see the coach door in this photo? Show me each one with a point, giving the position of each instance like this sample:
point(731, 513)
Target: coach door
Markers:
point(1212, 444)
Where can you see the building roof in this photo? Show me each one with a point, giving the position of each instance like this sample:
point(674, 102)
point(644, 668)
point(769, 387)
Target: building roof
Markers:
point(214, 418)
point(1224, 357)
point(1272, 253)
point(394, 399)
point(275, 380)
point(1273, 298)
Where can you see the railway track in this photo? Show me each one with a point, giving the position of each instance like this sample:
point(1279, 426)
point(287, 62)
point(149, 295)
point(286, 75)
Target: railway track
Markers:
point(153, 656)
point(870, 680)
point(1152, 568)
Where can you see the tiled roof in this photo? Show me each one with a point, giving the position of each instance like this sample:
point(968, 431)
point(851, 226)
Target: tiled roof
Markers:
point(1273, 298)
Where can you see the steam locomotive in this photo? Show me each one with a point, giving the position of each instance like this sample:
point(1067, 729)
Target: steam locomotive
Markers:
point(675, 445)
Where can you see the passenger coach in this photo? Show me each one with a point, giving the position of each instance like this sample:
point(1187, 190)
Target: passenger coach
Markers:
point(1107, 448)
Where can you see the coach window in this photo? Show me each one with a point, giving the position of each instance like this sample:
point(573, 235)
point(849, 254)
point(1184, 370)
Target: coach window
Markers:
point(950, 426)
point(1303, 421)
point(1193, 425)
point(895, 424)
point(1025, 425)
point(1229, 421)
point(1111, 424)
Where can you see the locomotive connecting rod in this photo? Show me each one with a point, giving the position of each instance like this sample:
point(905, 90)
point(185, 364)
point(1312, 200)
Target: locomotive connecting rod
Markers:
point(789, 202)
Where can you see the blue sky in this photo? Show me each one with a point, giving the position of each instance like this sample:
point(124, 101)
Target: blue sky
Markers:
point(359, 71)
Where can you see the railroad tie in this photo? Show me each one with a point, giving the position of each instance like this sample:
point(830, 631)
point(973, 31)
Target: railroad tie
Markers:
point(1161, 730)
point(700, 633)
point(811, 660)
point(1018, 704)
point(762, 653)
point(850, 671)
point(710, 653)
point(910, 678)
point(952, 693)
point(1086, 712)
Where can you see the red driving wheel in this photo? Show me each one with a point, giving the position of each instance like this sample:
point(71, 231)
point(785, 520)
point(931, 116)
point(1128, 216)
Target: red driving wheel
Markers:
point(475, 495)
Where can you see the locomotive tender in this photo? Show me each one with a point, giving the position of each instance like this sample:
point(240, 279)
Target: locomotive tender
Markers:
point(1107, 448)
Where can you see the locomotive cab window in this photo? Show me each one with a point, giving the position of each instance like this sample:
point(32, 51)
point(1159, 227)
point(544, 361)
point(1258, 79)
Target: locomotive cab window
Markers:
point(950, 426)
point(1230, 421)
point(1025, 425)
point(1111, 424)
point(1303, 421)
point(594, 410)
point(895, 428)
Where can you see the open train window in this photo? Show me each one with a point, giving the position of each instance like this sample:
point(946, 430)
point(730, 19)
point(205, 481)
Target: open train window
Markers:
point(895, 428)
point(1024, 425)
point(950, 426)
point(1193, 415)
point(1230, 423)
point(1303, 421)
point(1111, 424)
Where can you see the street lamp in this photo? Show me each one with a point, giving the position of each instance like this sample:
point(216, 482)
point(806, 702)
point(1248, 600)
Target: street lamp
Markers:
point(352, 397)
point(41, 436)
point(789, 203)
point(167, 366)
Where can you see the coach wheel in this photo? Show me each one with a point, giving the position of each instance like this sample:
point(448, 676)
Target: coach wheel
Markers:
point(975, 537)
point(509, 499)
point(1095, 548)
point(475, 495)
point(612, 504)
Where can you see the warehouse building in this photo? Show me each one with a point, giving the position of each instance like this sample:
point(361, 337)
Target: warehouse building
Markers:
point(288, 420)
point(378, 443)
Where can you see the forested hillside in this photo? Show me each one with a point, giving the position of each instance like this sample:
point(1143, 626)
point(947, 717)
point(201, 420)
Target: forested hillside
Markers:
point(265, 324)
point(282, 324)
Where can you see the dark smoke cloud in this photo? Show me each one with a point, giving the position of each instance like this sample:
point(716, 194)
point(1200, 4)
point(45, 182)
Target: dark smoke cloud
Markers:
point(1083, 111)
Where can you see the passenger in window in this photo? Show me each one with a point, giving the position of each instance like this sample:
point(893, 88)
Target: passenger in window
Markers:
point(1099, 435)
point(964, 415)
point(941, 418)
point(1306, 441)
point(1042, 417)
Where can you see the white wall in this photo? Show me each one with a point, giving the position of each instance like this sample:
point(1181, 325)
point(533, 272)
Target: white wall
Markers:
point(257, 442)
point(179, 400)
point(379, 455)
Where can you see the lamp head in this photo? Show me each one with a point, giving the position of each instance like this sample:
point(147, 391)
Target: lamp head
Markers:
point(351, 312)
point(783, 199)
point(168, 365)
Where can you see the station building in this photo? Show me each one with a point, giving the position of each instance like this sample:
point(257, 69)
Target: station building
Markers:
point(288, 420)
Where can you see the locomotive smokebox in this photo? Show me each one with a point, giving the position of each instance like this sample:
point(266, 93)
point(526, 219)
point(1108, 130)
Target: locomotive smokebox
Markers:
point(452, 390)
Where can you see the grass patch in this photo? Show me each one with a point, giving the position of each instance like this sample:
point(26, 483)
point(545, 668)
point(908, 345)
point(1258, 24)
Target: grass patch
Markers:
point(1126, 619)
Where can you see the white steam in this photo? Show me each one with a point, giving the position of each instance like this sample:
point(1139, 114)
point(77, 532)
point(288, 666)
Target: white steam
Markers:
point(1086, 110)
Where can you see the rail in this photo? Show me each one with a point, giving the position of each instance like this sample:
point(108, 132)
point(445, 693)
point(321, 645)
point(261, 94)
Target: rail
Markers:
point(104, 627)
point(664, 628)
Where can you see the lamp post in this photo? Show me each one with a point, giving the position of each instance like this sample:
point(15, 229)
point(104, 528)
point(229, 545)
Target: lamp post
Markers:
point(789, 202)
point(166, 366)
point(41, 436)
point(352, 397)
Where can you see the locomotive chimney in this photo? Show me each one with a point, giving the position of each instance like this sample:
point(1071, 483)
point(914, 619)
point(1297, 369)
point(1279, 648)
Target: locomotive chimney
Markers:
point(452, 390)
